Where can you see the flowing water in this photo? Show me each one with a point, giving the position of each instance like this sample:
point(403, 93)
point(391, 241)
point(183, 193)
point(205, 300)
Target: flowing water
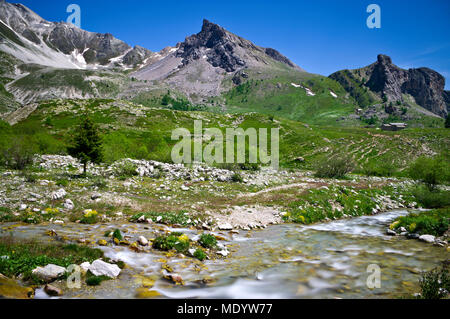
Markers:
point(328, 260)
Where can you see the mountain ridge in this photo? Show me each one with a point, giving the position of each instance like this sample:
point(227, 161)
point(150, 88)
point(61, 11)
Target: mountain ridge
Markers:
point(213, 69)
point(36, 40)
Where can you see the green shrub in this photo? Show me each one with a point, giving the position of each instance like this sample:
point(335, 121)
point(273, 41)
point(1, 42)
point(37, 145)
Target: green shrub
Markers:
point(177, 241)
point(117, 234)
point(99, 182)
point(383, 168)
point(6, 215)
point(19, 155)
point(29, 177)
point(126, 170)
point(334, 167)
point(200, 255)
point(62, 182)
point(31, 217)
point(435, 284)
point(237, 178)
point(90, 217)
point(208, 241)
point(435, 222)
point(431, 198)
point(249, 167)
point(168, 218)
point(92, 280)
point(430, 171)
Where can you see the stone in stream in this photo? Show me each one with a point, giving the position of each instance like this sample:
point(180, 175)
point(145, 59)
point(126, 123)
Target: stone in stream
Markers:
point(102, 242)
point(49, 273)
point(53, 291)
point(223, 253)
point(225, 226)
point(9, 288)
point(390, 232)
point(101, 268)
point(175, 278)
point(427, 238)
point(413, 236)
point(143, 241)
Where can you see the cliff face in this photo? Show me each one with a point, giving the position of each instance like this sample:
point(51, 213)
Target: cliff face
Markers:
point(427, 87)
point(389, 81)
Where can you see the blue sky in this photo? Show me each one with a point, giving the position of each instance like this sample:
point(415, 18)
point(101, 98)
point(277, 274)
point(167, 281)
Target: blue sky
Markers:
point(321, 36)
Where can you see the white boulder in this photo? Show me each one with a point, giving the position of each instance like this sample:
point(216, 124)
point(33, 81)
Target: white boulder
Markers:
point(101, 268)
point(59, 194)
point(225, 226)
point(68, 204)
point(49, 272)
point(427, 238)
point(143, 241)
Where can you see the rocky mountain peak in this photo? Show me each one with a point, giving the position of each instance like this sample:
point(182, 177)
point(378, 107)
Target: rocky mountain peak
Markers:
point(384, 59)
point(226, 50)
point(212, 31)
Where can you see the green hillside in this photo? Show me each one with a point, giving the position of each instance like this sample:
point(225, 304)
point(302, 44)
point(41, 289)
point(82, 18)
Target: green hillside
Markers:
point(135, 131)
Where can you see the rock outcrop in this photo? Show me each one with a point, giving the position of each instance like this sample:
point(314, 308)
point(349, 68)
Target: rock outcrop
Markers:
point(390, 83)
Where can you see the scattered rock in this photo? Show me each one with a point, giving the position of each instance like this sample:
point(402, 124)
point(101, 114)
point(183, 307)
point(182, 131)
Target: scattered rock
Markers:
point(85, 266)
point(390, 232)
point(225, 226)
point(59, 194)
point(96, 196)
point(53, 291)
point(175, 278)
point(413, 236)
point(191, 252)
point(101, 268)
point(223, 253)
point(68, 204)
point(143, 241)
point(102, 242)
point(145, 293)
point(427, 238)
point(11, 289)
point(49, 273)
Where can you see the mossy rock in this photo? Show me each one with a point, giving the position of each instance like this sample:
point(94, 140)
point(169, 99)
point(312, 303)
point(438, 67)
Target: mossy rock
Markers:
point(12, 290)
point(144, 293)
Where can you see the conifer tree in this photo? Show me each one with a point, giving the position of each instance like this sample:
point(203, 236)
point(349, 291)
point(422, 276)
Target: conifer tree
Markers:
point(86, 143)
